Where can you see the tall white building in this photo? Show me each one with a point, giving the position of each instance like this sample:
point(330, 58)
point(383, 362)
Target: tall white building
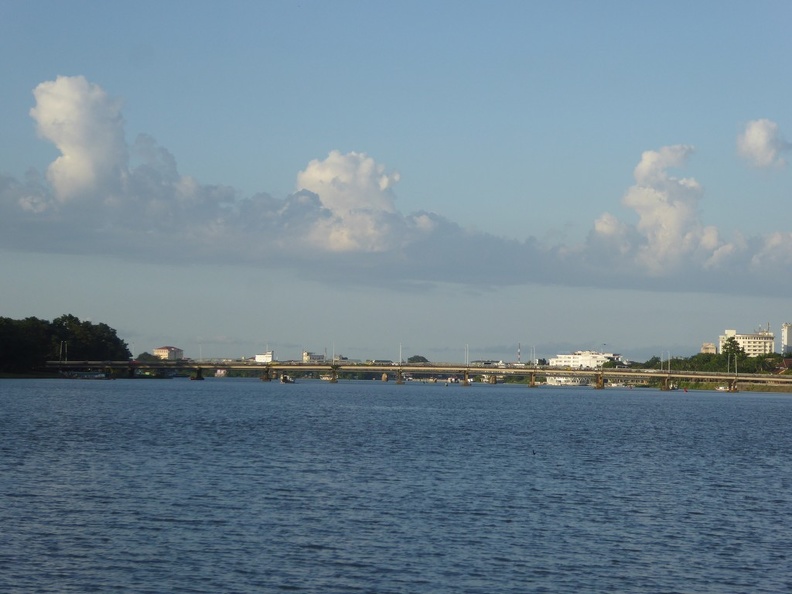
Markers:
point(786, 339)
point(761, 342)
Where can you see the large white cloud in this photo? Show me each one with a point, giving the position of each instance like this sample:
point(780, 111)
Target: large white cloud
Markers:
point(358, 192)
point(669, 233)
point(762, 145)
point(86, 125)
point(342, 224)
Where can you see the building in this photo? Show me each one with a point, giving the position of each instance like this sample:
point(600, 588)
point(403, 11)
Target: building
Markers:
point(169, 353)
point(584, 360)
point(308, 357)
point(265, 357)
point(708, 348)
point(786, 339)
point(761, 342)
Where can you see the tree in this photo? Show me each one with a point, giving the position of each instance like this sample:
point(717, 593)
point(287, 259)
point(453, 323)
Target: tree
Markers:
point(87, 341)
point(653, 363)
point(26, 345)
point(417, 359)
point(731, 347)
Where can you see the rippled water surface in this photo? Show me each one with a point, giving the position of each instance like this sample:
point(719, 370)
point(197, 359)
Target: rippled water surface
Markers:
point(245, 486)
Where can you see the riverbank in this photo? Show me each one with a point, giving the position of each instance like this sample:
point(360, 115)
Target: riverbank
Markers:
point(29, 375)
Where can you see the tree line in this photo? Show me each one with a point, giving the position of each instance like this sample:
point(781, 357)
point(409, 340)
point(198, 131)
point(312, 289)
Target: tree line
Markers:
point(731, 357)
point(26, 345)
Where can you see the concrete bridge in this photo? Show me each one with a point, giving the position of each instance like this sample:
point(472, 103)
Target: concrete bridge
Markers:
point(599, 378)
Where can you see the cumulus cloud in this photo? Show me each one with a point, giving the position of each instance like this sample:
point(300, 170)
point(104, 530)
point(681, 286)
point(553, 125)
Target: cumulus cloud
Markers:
point(668, 234)
point(85, 124)
point(762, 145)
point(341, 224)
point(358, 194)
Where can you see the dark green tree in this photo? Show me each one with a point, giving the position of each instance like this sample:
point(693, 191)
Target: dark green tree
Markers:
point(26, 345)
point(88, 341)
point(417, 359)
point(731, 347)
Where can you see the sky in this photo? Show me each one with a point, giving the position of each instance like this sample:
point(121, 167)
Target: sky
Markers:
point(480, 180)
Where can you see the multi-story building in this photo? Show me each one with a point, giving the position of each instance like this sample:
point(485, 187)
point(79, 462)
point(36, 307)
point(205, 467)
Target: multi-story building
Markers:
point(169, 353)
point(265, 357)
point(584, 359)
point(786, 339)
point(308, 357)
point(761, 342)
point(708, 348)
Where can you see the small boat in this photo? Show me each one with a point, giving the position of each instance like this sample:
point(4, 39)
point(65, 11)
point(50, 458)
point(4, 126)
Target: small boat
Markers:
point(87, 375)
point(567, 380)
point(285, 379)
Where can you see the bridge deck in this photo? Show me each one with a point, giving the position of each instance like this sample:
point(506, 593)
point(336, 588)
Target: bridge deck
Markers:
point(432, 369)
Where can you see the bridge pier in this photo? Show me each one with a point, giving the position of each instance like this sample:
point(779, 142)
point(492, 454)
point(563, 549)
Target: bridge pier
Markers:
point(198, 375)
point(532, 380)
point(265, 377)
point(599, 381)
point(465, 378)
point(399, 378)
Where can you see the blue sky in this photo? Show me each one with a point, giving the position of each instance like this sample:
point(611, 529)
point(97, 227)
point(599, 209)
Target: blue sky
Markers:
point(358, 176)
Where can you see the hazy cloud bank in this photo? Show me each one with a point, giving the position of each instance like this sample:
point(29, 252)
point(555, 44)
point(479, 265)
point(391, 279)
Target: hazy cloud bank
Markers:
point(106, 195)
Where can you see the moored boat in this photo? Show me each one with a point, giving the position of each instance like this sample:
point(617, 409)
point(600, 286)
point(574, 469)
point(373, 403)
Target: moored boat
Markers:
point(567, 380)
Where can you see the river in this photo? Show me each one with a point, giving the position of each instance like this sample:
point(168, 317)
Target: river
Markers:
point(237, 485)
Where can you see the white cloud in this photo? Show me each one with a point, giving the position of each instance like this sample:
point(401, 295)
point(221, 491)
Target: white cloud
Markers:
point(342, 224)
point(349, 182)
point(611, 231)
point(762, 145)
point(358, 193)
point(86, 125)
point(774, 254)
point(668, 234)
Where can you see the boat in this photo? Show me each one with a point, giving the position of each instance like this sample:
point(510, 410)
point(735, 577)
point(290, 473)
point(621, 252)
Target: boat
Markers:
point(567, 380)
point(87, 375)
point(285, 379)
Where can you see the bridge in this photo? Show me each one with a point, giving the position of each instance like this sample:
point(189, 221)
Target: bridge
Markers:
point(667, 379)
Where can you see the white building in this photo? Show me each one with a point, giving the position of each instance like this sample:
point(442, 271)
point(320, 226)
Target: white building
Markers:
point(265, 357)
point(786, 339)
point(308, 357)
point(584, 359)
point(169, 353)
point(761, 342)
